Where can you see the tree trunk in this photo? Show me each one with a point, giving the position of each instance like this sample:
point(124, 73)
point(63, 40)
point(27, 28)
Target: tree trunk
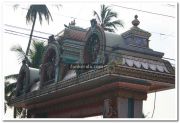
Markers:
point(27, 51)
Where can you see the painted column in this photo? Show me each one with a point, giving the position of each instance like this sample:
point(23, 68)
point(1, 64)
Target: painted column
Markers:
point(138, 104)
point(129, 108)
point(122, 107)
point(109, 111)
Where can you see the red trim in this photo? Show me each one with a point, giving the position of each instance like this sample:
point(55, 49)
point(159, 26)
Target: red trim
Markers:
point(105, 88)
point(82, 111)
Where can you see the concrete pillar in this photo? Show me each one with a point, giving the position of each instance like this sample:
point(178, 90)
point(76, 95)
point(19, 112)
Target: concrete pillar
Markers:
point(122, 107)
point(109, 110)
point(138, 104)
point(129, 108)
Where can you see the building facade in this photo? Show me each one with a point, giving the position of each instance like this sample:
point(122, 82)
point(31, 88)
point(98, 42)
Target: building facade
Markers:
point(89, 72)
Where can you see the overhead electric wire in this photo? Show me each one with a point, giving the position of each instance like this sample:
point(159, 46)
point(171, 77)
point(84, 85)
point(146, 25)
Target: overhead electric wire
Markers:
point(169, 59)
point(27, 29)
point(143, 11)
point(154, 105)
point(21, 35)
point(15, 34)
point(162, 34)
point(64, 16)
point(11, 31)
point(24, 34)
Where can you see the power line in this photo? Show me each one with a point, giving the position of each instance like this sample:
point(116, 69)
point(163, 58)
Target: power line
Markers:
point(11, 31)
point(27, 29)
point(143, 11)
point(154, 105)
point(74, 17)
point(15, 34)
point(64, 16)
point(171, 5)
point(162, 34)
point(24, 34)
point(149, 12)
point(169, 59)
point(71, 42)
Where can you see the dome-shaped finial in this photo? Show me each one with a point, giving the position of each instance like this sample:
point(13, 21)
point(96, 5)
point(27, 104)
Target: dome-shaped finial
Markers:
point(135, 22)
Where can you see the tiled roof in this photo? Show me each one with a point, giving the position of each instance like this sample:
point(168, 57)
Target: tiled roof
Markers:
point(75, 34)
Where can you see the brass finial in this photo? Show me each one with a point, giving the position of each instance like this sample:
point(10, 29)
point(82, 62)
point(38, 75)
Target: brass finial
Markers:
point(135, 22)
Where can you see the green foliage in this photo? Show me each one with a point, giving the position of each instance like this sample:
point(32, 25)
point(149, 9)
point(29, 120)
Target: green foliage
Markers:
point(36, 53)
point(10, 89)
point(34, 59)
point(106, 16)
point(12, 76)
point(40, 10)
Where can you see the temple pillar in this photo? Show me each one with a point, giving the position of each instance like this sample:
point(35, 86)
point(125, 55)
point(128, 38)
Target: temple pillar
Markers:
point(138, 105)
point(109, 110)
point(129, 108)
point(122, 107)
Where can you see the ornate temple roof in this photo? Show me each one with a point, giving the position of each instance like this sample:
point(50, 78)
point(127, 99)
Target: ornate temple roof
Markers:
point(136, 31)
point(129, 63)
point(74, 34)
point(146, 64)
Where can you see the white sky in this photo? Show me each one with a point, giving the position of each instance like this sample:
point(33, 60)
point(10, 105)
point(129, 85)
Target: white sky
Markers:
point(166, 101)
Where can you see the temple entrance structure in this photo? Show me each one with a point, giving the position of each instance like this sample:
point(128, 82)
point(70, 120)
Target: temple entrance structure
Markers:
point(130, 71)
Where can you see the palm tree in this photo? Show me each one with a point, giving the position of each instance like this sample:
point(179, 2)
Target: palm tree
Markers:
point(34, 59)
point(31, 16)
point(10, 89)
point(9, 93)
point(105, 18)
point(33, 12)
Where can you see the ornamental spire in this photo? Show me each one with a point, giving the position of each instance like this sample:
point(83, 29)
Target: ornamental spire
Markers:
point(135, 22)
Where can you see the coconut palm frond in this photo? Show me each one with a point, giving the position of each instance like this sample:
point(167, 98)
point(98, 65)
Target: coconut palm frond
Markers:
point(18, 49)
point(104, 10)
point(118, 22)
point(12, 76)
point(31, 14)
point(10, 89)
point(21, 54)
point(40, 10)
point(97, 16)
point(38, 48)
point(15, 6)
point(107, 15)
point(113, 25)
point(57, 6)
point(108, 29)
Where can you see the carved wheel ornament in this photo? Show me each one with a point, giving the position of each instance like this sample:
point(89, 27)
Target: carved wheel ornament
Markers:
point(92, 48)
point(50, 66)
